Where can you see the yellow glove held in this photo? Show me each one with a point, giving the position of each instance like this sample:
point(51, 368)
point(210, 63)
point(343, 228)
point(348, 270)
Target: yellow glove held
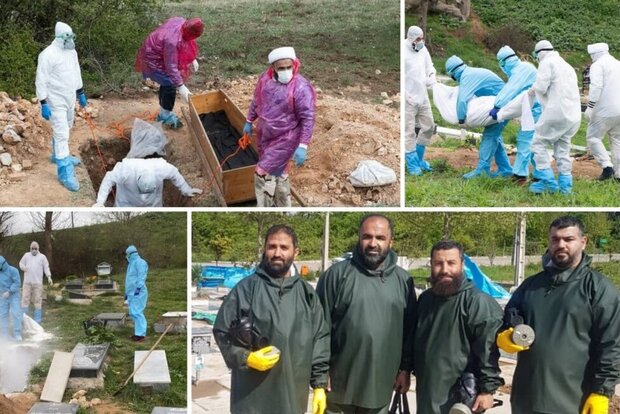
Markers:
point(596, 404)
point(319, 401)
point(260, 361)
point(504, 342)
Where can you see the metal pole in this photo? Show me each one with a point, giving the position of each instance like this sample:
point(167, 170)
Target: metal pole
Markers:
point(520, 249)
point(325, 258)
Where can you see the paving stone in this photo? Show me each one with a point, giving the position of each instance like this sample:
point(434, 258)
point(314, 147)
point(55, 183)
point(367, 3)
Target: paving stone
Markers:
point(74, 284)
point(168, 410)
point(104, 284)
point(53, 408)
point(88, 359)
point(154, 372)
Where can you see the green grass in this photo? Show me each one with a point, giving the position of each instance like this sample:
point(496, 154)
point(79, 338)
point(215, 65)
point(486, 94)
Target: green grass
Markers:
point(167, 292)
point(445, 187)
point(338, 46)
point(506, 273)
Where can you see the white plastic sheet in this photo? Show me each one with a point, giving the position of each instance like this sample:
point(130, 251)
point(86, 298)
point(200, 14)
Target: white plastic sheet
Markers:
point(478, 108)
point(370, 173)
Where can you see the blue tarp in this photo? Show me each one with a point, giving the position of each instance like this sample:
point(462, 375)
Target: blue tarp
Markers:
point(213, 276)
point(482, 281)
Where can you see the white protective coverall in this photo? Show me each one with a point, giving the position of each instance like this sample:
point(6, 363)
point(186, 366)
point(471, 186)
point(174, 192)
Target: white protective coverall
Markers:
point(558, 92)
point(604, 106)
point(419, 73)
point(58, 78)
point(140, 182)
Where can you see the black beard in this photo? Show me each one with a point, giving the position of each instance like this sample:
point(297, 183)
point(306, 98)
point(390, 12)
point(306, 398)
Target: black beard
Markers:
point(372, 262)
point(276, 271)
point(449, 289)
point(562, 264)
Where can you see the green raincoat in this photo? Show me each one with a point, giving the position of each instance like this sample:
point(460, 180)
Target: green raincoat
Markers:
point(455, 334)
point(370, 313)
point(288, 312)
point(576, 317)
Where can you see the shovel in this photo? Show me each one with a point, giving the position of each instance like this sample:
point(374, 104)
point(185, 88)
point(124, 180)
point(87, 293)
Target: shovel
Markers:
point(143, 360)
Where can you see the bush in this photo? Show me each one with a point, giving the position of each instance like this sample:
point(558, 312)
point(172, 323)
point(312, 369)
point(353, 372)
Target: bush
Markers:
point(18, 60)
point(512, 35)
point(108, 35)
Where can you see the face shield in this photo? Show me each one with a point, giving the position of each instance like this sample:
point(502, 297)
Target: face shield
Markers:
point(68, 40)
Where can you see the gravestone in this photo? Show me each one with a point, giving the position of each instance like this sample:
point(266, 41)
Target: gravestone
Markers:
point(104, 284)
point(53, 408)
point(74, 284)
point(177, 319)
point(88, 359)
point(74, 294)
point(154, 371)
point(168, 410)
point(111, 320)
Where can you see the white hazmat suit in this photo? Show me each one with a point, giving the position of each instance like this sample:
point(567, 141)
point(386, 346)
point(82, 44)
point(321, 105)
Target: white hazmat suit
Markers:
point(603, 111)
point(58, 79)
point(558, 92)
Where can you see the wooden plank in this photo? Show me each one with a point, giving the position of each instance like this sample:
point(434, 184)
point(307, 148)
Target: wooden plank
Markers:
point(238, 184)
point(57, 377)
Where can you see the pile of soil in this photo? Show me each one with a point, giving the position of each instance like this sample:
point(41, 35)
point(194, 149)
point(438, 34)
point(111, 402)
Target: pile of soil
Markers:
point(19, 404)
point(24, 135)
point(346, 132)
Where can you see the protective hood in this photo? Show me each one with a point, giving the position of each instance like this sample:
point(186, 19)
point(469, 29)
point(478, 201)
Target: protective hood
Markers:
point(281, 53)
point(285, 284)
point(598, 50)
point(507, 59)
point(542, 49)
point(455, 67)
point(62, 28)
point(34, 245)
point(131, 253)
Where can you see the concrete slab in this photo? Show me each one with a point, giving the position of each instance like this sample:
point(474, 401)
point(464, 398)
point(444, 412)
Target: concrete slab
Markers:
point(168, 410)
point(175, 314)
point(88, 359)
point(154, 372)
point(77, 294)
point(57, 377)
point(201, 344)
point(111, 320)
point(177, 328)
point(83, 383)
point(80, 301)
point(53, 408)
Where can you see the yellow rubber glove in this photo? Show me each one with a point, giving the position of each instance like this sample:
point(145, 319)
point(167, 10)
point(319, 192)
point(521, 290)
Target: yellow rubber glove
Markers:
point(260, 361)
point(596, 404)
point(504, 342)
point(319, 401)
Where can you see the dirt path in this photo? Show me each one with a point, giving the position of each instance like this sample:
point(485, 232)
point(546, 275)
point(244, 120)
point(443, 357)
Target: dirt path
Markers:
point(461, 158)
point(346, 132)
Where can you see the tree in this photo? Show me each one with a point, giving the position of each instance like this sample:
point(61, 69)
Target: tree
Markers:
point(48, 222)
point(5, 223)
point(221, 246)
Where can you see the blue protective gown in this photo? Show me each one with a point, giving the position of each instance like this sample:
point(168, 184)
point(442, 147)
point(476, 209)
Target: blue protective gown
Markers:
point(10, 282)
point(521, 77)
point(483, 82)
point(135, 282)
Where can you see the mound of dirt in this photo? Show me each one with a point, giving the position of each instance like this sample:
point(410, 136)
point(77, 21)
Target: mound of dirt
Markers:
point(23, 135)
point(17, 404)
point(346, 132)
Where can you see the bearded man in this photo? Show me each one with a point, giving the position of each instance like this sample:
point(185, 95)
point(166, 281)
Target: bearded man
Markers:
point(369, 304)
point(574, 363)
point(272, 335)
point(455, 337)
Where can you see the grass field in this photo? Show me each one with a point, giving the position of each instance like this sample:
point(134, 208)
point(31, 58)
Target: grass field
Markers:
point(339, 45)
point(167, 292)
point(506, 273)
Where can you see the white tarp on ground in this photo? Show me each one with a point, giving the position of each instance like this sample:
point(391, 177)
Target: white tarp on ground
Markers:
point(445, 97)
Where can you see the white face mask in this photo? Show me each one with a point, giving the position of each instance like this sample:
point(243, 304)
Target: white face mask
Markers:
point(419, 46)
point(285, 76)
point(34, 251)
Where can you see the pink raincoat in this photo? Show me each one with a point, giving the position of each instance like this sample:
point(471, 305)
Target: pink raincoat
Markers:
point(165, 56)
point(285, 115)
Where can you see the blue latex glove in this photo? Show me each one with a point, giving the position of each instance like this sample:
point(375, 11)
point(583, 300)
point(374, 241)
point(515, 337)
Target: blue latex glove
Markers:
point(137, 292)
point(300, 156)
point(247, 128)
point(125, 297)
point(82, 99)
point(493, 113)
point(46, 112)
point(461, 121)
